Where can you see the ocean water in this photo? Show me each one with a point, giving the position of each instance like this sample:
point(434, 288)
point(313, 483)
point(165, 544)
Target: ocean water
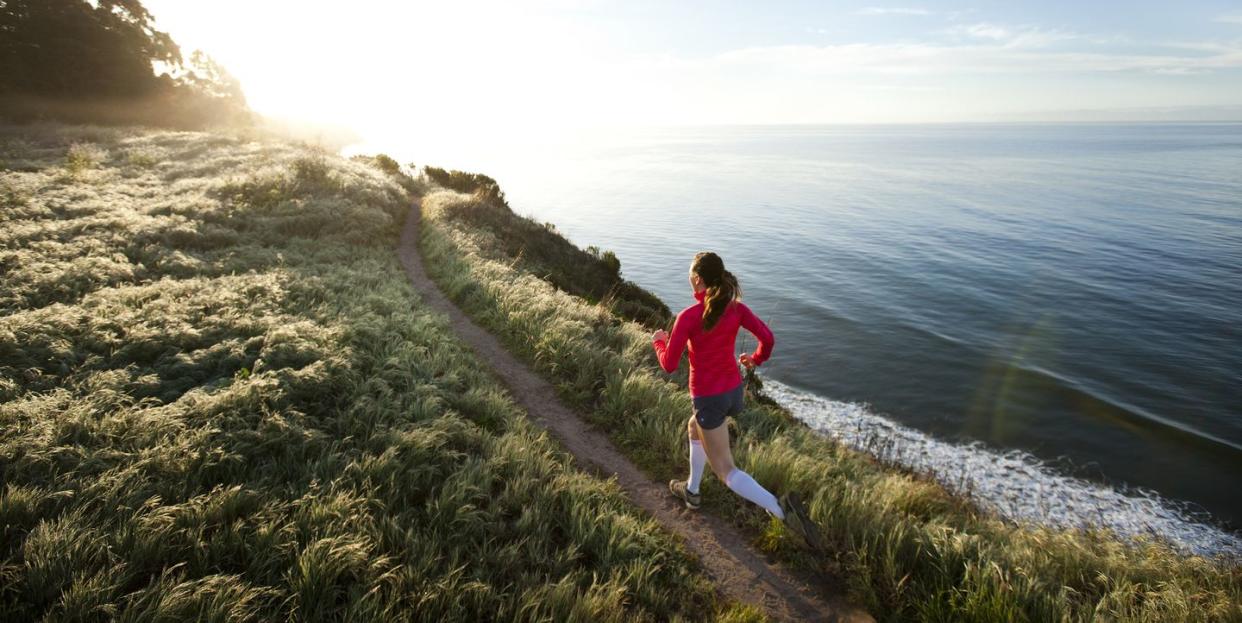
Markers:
point(1050, 315)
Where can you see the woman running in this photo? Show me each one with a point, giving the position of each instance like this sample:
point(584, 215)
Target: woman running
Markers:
point(710, 328)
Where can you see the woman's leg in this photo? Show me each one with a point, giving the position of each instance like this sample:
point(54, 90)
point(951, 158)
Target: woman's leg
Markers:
point(698, 457)
point(716, 443)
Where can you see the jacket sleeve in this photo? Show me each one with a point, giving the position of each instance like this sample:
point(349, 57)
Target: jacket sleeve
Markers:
point(670, 354)
point(767, 341)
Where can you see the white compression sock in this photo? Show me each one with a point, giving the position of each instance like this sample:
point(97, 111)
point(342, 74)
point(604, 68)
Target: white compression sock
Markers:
point(742, 484)
point(698, 459)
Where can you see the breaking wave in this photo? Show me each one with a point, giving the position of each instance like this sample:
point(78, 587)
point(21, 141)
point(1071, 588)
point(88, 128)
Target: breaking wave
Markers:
point(1014, 484)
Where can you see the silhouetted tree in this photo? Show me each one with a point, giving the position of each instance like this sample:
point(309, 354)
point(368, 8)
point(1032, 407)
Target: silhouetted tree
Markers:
point(69, 47)
point(107, 49)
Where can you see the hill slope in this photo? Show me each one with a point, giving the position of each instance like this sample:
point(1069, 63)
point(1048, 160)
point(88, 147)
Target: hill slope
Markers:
point(220, 399)
point(907, 548)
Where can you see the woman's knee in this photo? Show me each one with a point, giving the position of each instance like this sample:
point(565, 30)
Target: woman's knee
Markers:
point(692, 429)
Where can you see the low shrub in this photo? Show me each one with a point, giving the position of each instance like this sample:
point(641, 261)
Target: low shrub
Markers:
point(82, 156)
point(591, 274)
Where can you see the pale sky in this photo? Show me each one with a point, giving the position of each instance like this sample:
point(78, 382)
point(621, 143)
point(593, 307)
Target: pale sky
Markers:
point(564, 63)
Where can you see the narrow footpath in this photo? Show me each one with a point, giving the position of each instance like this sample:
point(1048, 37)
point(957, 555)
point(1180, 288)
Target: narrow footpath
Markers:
point(738, 571)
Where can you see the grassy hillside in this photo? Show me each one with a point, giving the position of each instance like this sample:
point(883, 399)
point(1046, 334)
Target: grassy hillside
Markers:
point(907, 549)
point(221, 400)
point(538, 249)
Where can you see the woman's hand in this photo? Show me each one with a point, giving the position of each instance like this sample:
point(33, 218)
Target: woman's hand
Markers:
point(747, 361)
point(659, 336)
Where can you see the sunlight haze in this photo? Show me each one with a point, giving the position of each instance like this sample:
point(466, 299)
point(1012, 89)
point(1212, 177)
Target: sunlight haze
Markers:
point(435, 69)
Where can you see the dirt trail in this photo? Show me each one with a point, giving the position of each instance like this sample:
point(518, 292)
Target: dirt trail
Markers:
point(738, 571)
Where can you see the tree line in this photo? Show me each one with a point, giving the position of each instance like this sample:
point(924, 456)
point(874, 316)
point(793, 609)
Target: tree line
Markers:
point(105, 61)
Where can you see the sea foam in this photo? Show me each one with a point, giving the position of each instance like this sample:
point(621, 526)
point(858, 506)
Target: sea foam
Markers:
point(1014, 483)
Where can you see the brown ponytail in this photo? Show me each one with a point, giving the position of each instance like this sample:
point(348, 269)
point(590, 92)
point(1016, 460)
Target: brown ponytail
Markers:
point(722, 287)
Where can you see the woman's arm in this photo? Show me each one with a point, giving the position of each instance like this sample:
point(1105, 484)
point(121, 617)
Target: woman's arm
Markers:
point(767, 341)
point(669, 353)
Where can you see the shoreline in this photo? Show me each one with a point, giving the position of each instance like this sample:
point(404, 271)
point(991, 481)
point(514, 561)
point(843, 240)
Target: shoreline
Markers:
point(1129, 512)
point(1188, 524)
point(1026, 375)
point(905, 542)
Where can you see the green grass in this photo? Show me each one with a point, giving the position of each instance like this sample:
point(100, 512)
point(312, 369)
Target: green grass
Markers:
point(906, 548)
point(220, 400)
point(538, 249)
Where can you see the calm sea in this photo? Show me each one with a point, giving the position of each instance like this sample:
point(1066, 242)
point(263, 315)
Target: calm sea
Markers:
point(1047, 315)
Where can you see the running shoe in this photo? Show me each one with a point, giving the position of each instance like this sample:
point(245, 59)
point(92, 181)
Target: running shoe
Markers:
point(799, 522)
point(678, 487)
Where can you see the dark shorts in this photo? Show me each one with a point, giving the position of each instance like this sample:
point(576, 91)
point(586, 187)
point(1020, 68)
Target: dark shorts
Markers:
point(711, 411)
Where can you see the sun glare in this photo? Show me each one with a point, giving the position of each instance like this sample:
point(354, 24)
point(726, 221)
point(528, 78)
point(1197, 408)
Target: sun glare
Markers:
point(492, 70)
point(412, 69)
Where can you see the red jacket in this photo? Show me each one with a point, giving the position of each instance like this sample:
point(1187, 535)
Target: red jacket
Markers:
point(713, 366)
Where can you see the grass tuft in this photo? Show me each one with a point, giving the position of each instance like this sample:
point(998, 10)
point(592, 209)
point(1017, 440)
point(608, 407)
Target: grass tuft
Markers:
point(82, 156)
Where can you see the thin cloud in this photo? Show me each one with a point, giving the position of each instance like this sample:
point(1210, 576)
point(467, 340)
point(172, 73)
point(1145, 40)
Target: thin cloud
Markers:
point(985, 31)
point(876, 10)
point(1025, 37)
point(969, 58)
point(1229, 18)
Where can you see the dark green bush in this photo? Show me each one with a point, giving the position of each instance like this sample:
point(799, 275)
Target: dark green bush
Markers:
point(591, 274)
